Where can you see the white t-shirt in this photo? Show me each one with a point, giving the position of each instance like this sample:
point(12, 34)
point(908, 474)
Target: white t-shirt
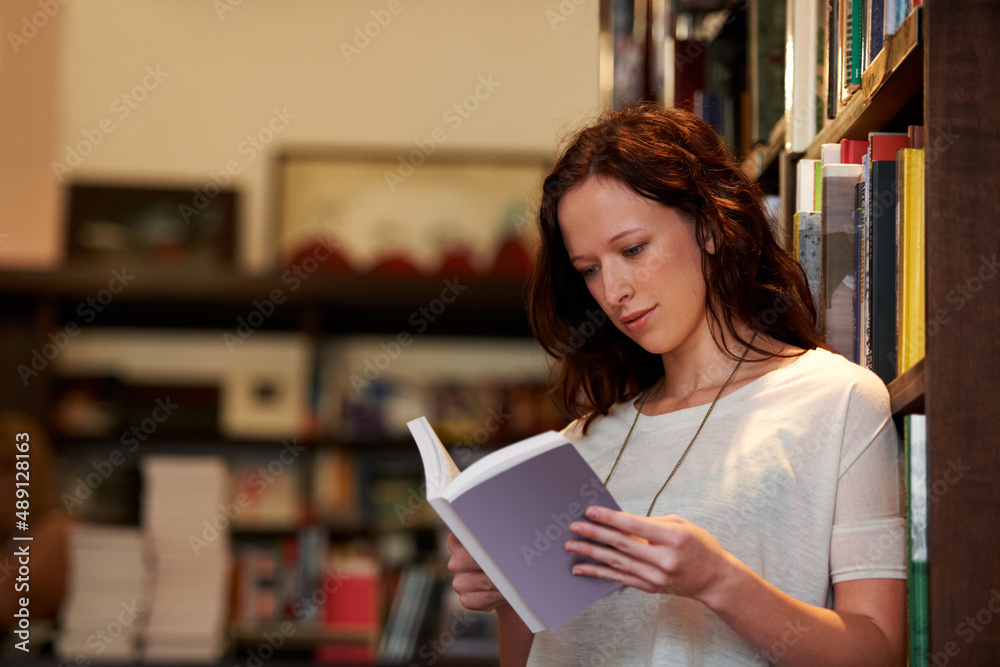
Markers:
point(796, 473)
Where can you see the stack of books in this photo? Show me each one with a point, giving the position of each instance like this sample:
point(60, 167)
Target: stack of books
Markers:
point(186, 513)
point(107, 600)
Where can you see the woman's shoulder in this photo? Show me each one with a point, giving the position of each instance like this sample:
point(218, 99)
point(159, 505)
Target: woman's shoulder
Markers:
point(831, 374)
point(583, 428)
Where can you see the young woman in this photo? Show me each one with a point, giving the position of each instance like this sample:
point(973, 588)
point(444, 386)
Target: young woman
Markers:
point(758, 472)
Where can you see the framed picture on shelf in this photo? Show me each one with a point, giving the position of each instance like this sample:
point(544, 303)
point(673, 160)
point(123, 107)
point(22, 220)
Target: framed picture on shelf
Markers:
point(111, 223)
point(410, 211)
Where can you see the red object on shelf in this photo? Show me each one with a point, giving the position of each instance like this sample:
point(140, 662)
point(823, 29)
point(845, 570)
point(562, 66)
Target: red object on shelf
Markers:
point(352, 603)
point(397, 265)
point(457, 262)
point(513, 259)
point(324, 254)
point(852, 151)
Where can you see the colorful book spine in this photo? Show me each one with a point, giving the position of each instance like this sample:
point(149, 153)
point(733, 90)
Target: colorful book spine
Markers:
point(876, 30)
point(911, 320)
point(883, 271)
point(832, 58)
point(809, 253)
point(854, 31)
point(915, 455)
point(853, 151)
point(860, 246)
point(838, 255)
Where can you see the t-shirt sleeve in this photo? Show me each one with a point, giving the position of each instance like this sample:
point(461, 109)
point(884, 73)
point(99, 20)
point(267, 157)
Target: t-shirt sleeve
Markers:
point(869, 532)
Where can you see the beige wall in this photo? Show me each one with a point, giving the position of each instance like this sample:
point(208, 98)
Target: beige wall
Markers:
point(29, 195)
point(198, 80)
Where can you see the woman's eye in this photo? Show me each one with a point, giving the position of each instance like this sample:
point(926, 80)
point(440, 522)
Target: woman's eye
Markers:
point(588, 272)
point(633, 250)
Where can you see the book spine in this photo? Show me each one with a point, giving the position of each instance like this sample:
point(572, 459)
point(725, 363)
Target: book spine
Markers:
point(832, 59)
point(838, 255)
point(915, 463)
point(859, 272)
point(801, 96)
point(911, 321)
point(883, 305)
point(810, 255)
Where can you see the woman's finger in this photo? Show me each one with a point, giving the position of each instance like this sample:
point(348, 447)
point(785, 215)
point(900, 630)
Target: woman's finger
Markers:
point(652, 530)
point(638, 568)
point(598, 571)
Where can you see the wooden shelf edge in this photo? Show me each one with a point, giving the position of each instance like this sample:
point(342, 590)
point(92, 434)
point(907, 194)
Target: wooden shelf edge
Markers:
point(304, 636)
point(906, 393)
point(147, 283)
point(762, 156)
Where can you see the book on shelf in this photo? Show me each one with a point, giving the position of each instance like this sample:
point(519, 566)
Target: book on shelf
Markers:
point(183, 510)
point(893, 13)
point(806, 227)
point(803, 89)
point(874, 29)
point(767, 45)
point(851, 30)
point(108, 586)
point(883, 191)
point(265, 499)
point(407, 615)
point(852, 151)
point(883, 269)
point(831, 60)
point(915, 464)
point(512, 510)
point(911, 319)
point(861, 261)
point(807, 185)
point(837, 245)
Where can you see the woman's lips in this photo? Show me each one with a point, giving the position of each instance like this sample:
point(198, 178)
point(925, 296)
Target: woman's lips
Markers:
point(639, 320)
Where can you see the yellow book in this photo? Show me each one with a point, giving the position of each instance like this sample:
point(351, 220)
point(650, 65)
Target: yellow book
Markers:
point(911, 322)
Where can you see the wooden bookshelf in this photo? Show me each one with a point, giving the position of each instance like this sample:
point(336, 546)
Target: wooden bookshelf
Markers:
point(937, 74)
point(763, 156)
point(906, 393)
point(962, 384)
point(321, 305)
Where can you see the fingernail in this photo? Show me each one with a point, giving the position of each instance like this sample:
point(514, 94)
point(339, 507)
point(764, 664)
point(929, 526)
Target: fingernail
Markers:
point(575, 527)
point(592, 512)
point(570, 546)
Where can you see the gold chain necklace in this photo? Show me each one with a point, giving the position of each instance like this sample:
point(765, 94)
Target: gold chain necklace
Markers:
point(638, 412)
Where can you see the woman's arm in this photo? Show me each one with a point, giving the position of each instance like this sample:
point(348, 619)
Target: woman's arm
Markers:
point(477, 592)
point(670, 555)
point(515, 638)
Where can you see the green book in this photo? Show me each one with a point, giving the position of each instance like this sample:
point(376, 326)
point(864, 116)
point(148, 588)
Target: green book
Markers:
point(915, 443)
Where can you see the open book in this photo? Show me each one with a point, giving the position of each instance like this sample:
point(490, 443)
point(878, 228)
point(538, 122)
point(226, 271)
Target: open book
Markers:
point(512, 510)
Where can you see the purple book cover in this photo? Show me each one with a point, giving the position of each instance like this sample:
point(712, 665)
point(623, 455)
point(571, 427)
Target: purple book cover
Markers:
point(522, 518)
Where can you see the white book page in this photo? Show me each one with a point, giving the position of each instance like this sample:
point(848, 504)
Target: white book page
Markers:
point(439, 468)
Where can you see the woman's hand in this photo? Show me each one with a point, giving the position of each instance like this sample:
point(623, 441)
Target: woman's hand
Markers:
point(664, 554)
point(474, 588)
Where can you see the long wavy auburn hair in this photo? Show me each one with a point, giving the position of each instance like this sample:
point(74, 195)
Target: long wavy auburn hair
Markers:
point(672, 157)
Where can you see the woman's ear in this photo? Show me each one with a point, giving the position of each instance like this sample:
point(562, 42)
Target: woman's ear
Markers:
point(708, 237)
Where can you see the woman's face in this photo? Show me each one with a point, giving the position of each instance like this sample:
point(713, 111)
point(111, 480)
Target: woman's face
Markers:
point(640, 261)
